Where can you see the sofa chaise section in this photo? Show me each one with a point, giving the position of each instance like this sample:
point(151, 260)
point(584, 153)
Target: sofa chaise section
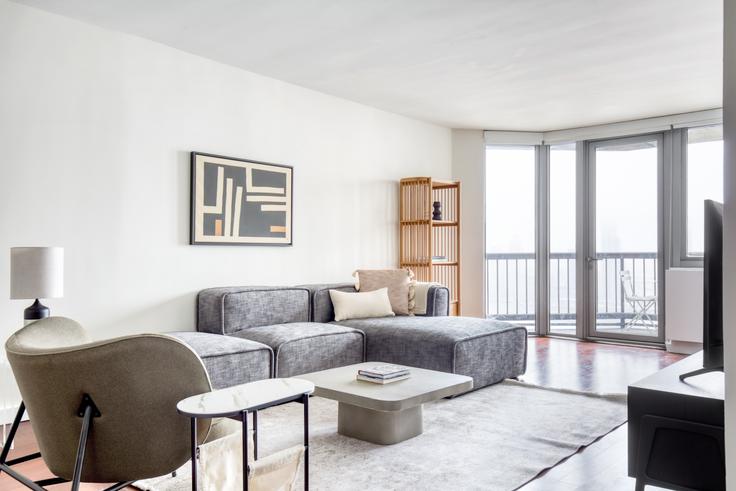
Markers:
point(278, 317)
point(487, 350)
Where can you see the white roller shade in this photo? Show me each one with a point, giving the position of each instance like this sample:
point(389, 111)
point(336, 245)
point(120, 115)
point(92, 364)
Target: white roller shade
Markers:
point(612, 130)
point(512, 138)
point(636, 127)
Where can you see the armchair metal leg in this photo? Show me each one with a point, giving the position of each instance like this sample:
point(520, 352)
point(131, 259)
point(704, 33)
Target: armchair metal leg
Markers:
point(5, 463)
point(51, 481)
point(83, 434)
point(23, 458)
point(23, 479)
point(11, 435)
point(87, 411)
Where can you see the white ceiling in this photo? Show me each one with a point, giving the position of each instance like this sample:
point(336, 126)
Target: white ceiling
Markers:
point(493, 64)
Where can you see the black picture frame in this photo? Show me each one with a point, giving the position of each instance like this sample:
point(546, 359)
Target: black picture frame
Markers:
point(200, 238)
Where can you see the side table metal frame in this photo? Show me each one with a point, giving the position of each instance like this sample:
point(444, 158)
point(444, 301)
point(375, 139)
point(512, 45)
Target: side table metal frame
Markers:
point(242, 416)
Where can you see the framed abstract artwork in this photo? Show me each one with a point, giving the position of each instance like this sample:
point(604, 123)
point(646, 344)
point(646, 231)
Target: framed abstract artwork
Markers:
point(240, 202)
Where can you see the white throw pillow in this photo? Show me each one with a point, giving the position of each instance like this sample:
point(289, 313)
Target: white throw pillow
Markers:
point(361, 305)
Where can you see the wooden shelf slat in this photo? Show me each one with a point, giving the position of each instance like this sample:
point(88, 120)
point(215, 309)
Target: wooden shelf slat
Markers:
point(444, 223)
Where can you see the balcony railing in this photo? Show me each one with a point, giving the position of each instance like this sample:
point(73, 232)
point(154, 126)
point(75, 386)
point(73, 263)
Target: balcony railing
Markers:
point(511, 286)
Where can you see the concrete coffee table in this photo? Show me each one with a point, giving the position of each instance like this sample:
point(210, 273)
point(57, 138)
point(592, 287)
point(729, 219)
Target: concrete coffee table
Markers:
point(384, 414)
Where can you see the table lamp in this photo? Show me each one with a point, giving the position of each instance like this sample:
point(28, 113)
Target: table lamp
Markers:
point(36, 272)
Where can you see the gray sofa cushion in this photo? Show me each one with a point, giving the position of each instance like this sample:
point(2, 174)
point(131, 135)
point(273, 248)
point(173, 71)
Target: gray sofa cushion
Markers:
point(487, 350)
point(304, 347)
point(438, 300)
point(229, 360)
point(229, 310)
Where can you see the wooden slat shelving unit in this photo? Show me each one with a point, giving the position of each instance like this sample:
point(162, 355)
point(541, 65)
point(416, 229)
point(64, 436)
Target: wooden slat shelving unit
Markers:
point(422, 239)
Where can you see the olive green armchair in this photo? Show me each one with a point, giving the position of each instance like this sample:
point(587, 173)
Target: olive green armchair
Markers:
point(102, 411)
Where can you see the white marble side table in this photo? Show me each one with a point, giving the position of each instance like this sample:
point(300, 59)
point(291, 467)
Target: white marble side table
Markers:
point(236, 402)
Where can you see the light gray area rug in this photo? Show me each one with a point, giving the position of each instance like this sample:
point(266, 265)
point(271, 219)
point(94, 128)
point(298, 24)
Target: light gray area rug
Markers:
point(496, 438)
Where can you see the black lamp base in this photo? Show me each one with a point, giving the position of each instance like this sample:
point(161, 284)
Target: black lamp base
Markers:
point(36, 311)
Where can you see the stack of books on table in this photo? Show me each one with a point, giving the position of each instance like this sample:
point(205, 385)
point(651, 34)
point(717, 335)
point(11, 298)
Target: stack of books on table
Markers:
point(383, 374)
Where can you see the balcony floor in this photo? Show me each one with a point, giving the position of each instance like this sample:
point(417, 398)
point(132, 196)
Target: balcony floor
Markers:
point(567, 327)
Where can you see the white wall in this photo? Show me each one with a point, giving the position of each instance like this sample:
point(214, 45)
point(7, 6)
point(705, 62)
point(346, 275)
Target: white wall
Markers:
point(468, 165)
point(96, 129)
point(729, 246)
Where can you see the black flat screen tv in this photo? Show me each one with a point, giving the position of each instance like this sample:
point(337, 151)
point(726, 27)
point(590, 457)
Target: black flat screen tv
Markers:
point(712, 291)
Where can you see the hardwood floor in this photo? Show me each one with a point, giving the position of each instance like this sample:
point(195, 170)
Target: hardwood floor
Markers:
point(551, 362)
point(593, 367)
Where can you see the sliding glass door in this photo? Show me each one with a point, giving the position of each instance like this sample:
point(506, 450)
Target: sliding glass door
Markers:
point(574, 237)
point(625, 238)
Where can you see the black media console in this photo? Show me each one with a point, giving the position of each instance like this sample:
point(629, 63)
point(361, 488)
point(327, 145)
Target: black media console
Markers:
point(676, 429)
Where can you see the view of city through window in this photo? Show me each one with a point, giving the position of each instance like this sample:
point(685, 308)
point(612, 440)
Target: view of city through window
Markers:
point(625, 240)
point(510, 233)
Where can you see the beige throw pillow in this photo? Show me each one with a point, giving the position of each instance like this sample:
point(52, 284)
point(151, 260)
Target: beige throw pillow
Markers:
point(399, 282)
point(361, 305)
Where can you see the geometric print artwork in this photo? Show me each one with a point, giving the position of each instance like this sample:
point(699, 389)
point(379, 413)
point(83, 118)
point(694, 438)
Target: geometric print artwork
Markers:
point(240, 202)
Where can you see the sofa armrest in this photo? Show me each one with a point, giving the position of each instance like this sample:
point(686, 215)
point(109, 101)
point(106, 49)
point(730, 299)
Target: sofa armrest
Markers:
point(438, 301)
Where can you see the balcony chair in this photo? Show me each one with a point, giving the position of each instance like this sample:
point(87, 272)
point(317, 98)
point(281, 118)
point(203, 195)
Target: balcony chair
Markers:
point(641, 304)
point(104, 411)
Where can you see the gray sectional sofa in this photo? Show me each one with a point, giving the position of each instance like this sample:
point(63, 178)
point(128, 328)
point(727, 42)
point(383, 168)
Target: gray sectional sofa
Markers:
point(252, 333)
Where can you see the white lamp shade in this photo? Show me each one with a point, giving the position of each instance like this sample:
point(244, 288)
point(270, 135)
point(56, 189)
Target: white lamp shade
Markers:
point(36, 272)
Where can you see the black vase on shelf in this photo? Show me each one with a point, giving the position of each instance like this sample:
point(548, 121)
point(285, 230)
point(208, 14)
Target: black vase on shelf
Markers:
point(437, 210)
